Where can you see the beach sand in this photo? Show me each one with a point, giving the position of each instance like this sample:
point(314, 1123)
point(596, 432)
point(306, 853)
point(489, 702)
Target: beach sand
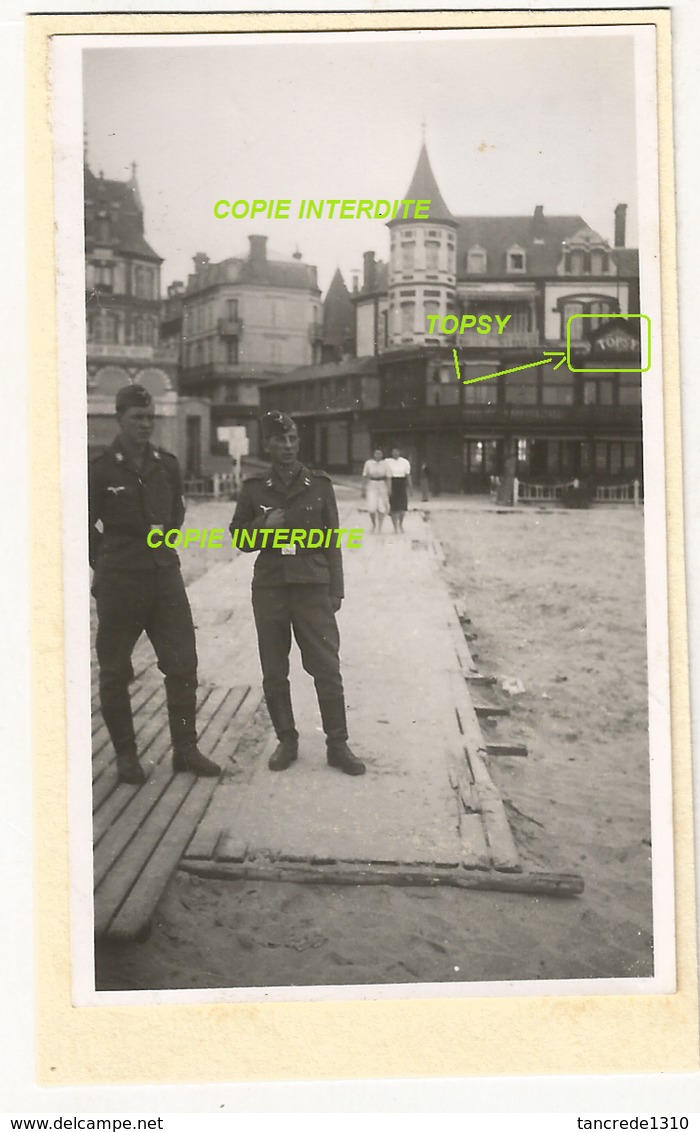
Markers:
point(556, 600)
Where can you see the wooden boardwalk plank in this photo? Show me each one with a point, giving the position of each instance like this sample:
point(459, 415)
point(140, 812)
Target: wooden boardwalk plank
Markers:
point(154, 741)
point(475, 853)
point(144, 692)
point(463, 783)
point(502, 847)
point(546, 884)
point(151, 727)
point(134, 858)
point(131, 823)
point(149, 709)
point(217, 818)
point(136, 911)
point(109, 800)
point(113, 840)
point(506, 750)
point(217, 724)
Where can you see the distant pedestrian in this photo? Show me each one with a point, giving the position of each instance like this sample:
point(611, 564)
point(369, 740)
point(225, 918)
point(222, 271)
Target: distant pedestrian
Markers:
point(424, 482)
point(506, 490)
point(375, 487)
point(399, 470)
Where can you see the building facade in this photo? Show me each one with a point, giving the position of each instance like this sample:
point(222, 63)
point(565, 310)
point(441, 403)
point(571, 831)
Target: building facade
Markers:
point(501, 291)
point(122, 305)
point(331, 405)
point(245, 321)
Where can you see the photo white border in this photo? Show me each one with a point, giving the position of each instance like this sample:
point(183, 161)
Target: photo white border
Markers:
point(68, 134)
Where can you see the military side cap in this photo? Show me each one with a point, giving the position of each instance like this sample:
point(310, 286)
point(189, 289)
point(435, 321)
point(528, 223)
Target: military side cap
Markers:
point(276, 424)
point(133, 397)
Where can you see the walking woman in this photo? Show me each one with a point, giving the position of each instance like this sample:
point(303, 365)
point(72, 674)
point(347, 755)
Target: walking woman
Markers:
point(399, 472)
point(375, 488)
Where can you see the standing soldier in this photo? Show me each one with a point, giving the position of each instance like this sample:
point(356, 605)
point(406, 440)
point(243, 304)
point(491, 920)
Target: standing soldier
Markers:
point(134, 489)
point(296, 589)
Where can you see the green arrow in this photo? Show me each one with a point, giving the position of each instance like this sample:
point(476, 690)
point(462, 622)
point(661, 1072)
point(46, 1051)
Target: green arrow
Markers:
point(545, 361)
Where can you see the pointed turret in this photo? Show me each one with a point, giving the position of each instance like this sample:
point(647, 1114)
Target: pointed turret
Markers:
point(338, 320)
point(425, 187)
point(423, 264)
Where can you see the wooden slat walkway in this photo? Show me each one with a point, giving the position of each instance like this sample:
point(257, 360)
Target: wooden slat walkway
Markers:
point(379, 829)
point(140, 833)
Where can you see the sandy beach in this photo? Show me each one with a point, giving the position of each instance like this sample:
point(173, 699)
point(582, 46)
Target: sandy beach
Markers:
point(555, 599)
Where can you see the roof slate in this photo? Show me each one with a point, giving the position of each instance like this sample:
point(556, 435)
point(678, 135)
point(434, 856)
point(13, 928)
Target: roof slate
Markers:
point(366, 366)
point(499, 234)
point(122, 201)
point(424, 187)
point(338, 313)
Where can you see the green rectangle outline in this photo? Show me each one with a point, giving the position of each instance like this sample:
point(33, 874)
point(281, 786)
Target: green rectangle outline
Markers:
point(609, 369)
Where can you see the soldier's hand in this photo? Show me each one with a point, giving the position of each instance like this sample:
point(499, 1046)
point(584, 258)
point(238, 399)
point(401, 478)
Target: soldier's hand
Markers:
point(336, 603)
point(275, 518)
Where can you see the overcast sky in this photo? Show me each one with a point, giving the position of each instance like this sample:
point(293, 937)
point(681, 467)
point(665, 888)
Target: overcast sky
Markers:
point(511, 121)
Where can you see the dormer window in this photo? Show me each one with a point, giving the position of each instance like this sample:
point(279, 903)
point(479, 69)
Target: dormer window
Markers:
point(476, 261)
point(586, 253)
point(515, 260)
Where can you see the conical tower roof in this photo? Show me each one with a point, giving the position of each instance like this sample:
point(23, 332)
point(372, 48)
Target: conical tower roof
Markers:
point(424, 187)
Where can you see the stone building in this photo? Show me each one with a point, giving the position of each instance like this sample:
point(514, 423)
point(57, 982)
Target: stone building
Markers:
point(246, 320)
point(122, 303)
point(510, 284)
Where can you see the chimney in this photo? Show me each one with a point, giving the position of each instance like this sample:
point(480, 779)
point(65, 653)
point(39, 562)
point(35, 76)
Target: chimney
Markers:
point(620, 225)
point(258, 250)
point(200, 260)
point(355, 282)
point(368, 274)
point(175, 288)
point(538, 224)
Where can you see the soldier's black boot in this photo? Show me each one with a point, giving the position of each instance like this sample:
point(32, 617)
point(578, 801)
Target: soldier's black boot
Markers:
point(181, 693)
point(116, 711)
point(129, 768)
point(286, 752)
point(338, 753)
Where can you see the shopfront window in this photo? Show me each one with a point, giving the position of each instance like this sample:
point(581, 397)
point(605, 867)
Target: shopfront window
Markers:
point(630, 389)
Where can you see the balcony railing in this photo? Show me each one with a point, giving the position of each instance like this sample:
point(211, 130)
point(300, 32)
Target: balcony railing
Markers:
point(553, 414)
point(515, 416)
point(116, 350)
point(231, 327)
point(473, 341)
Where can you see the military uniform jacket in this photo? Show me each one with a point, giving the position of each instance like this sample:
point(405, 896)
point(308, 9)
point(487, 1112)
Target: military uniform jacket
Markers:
point(308, 504)
point(127, 503)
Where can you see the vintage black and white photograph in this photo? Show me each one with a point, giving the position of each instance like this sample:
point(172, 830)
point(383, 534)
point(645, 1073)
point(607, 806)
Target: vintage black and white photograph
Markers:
point(363, 471)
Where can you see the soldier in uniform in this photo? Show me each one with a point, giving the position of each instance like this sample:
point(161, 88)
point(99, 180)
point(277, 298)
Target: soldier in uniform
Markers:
point(296, 589)
point(134, 489)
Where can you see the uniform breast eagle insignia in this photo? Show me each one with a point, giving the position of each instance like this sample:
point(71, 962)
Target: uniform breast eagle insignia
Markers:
point(116, 490)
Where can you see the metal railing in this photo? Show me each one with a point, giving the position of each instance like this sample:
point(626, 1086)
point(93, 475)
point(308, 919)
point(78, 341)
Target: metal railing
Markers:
point(221, 485)
point(554, 492)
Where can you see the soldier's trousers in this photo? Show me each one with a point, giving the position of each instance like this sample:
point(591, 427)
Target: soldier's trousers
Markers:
point(130, 603)
point(306, 611)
